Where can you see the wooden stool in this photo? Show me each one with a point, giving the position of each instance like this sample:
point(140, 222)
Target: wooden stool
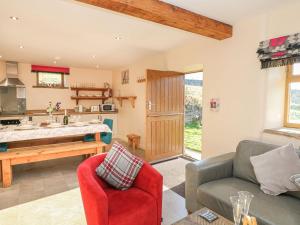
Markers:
point(133, 140)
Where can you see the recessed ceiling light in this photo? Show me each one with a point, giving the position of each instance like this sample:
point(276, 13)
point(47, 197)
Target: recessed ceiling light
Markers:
point(54, 62)
point(14, 18)
point(97, 66)
point(118, 38)
point(93, 56)
point(57, 58)
point(21, 46)
point(0, 56)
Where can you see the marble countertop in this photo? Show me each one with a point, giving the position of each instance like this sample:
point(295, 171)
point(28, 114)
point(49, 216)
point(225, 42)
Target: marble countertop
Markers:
point(11, 133)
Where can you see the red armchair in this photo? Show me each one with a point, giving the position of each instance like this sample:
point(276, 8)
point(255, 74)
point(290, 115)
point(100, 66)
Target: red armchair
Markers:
point(139, 205)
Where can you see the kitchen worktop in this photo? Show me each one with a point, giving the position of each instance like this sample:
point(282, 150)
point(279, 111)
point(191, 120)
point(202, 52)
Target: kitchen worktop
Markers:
point(56, 113)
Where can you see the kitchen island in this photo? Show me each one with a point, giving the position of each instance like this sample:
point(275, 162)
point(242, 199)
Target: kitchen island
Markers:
point(46, 143)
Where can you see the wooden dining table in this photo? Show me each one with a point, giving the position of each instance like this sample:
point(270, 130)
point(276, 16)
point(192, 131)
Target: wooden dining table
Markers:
point(17, 133)
point(34, 144)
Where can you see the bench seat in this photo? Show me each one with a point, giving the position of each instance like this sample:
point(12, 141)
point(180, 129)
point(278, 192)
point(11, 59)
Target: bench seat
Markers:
point(38, 153)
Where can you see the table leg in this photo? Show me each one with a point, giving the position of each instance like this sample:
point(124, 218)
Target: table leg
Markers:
point(97, 137)
point(6, 173)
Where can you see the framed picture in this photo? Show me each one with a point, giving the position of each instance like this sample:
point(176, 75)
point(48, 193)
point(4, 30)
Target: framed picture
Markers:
point(125, 77)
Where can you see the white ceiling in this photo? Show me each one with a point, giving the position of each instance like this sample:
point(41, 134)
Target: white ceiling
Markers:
point(75, 32)
point(228, 11)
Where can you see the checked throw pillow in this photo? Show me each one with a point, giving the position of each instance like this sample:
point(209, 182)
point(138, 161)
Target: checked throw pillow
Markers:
point(119, 167)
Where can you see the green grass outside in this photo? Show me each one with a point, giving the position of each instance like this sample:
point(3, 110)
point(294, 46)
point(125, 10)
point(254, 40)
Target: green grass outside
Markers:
point(193, 136)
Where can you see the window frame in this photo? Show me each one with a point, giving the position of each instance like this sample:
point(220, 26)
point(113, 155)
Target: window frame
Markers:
point(62, 85)
point(290, 78)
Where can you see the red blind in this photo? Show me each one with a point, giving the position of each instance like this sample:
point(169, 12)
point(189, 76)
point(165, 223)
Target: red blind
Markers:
point(50, 69)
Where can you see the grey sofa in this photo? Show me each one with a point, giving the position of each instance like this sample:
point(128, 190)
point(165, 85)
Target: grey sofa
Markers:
point(210, 182)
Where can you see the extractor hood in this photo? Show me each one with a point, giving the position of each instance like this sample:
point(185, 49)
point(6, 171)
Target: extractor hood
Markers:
point(11, 79)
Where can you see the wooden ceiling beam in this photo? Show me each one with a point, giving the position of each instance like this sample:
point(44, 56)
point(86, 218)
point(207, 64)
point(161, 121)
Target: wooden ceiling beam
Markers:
point(167, 14)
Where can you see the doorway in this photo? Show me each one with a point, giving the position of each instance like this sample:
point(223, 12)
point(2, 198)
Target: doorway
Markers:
point(193, 115)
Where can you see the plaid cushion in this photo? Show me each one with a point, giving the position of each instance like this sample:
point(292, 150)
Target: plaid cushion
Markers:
point(119, 167)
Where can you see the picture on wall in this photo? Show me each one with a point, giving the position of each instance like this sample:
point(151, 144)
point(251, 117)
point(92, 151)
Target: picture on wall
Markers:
point(125, 76)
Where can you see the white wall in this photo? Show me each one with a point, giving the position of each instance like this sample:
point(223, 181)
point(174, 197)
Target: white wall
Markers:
point(251, 99)
point(38, 98)
point(133, 120)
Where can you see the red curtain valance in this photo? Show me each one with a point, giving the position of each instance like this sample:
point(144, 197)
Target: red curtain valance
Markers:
point(279, 51)
point(50, 69)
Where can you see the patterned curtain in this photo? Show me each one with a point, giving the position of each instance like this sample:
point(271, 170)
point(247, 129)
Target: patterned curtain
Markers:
point(279, 51)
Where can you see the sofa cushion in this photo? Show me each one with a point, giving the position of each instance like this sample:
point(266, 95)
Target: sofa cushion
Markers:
point(242, 167)
point(127, 207)
point(269, 210)
point(274, 169)
point(296, 179)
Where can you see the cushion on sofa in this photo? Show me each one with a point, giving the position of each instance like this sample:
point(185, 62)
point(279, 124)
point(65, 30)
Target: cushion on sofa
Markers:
point(273, 169)
point(242, 167)
point(295, 194)
point(282, 209)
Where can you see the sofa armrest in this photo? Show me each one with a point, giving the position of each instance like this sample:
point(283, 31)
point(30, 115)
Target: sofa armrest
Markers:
point(151, 181)
point(203, 171)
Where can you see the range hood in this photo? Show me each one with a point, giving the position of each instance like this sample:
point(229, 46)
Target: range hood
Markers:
point(11, 79)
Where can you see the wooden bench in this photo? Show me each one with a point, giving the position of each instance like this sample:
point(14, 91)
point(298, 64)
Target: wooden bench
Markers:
point(38, 153)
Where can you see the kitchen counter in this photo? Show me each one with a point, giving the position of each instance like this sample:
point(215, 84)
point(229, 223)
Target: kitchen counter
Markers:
point(57, 113)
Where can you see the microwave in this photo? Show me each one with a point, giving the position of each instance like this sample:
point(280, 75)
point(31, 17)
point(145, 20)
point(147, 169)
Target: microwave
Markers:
point(108, 107)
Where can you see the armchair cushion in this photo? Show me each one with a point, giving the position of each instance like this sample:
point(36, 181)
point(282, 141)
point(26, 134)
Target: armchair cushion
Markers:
point(120, 167)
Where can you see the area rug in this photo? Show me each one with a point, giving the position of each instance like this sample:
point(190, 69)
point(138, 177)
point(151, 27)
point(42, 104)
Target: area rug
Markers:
point(66, 209)
point(179, 189)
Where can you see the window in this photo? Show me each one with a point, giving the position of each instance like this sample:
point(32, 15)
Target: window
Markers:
point(51, 80)
point(292, 96)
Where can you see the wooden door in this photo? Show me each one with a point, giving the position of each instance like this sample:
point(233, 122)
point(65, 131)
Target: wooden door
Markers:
point(165, 114)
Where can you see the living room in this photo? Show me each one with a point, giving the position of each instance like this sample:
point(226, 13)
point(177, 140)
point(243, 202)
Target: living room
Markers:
point(118, 44)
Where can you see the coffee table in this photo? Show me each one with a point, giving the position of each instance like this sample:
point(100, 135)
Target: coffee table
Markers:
point(194, 219)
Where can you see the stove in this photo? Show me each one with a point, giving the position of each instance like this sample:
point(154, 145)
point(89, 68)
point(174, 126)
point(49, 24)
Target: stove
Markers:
point(6, 122)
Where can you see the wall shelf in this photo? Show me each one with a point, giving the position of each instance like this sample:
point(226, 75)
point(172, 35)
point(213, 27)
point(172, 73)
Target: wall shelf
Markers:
point(89, 89)
point(53, 87)
point(130, 98)
point(103, 97)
